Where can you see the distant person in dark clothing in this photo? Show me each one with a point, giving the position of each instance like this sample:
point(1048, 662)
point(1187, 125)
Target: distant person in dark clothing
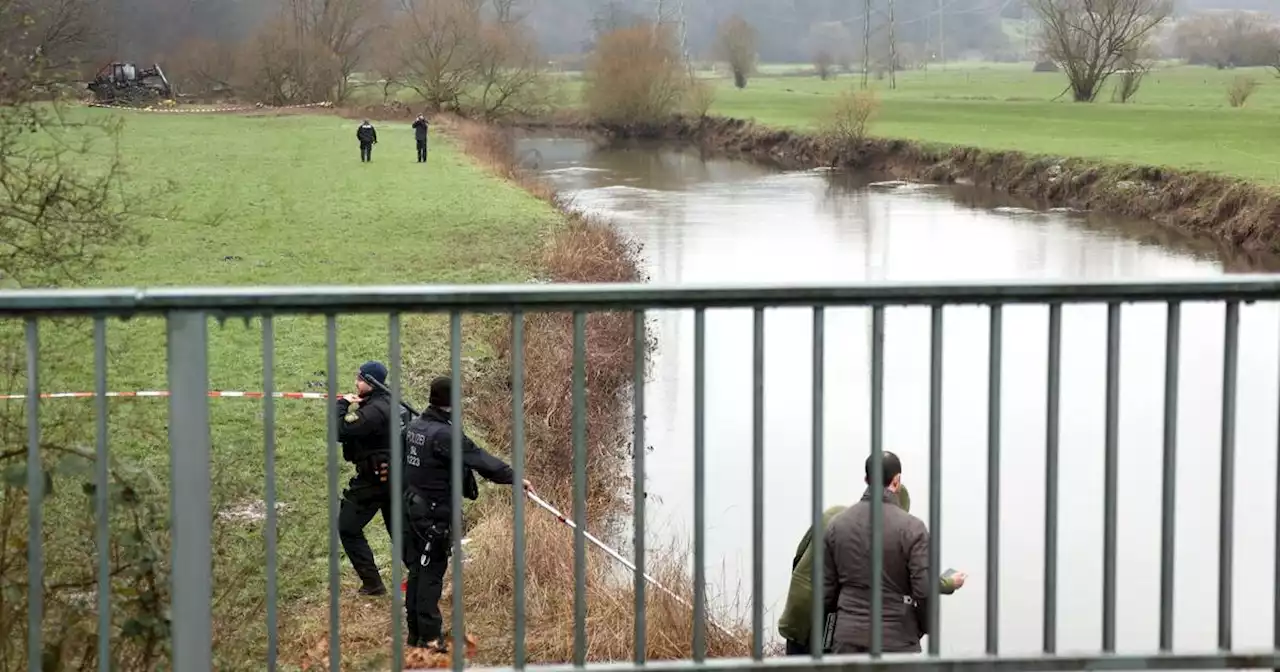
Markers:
point(420, 126)
point(368, 137)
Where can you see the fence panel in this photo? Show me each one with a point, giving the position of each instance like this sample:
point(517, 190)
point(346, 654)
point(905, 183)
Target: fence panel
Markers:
point(187, 312)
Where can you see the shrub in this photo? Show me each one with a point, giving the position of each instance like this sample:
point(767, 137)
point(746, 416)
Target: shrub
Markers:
point(1240, 89)
point(846, 123)
point(635, 75)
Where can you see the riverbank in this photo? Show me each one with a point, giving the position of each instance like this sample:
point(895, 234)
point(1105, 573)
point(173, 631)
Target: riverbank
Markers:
point(1241, 215)
point(1179, 118)
point(231, 200)
point(575, 250)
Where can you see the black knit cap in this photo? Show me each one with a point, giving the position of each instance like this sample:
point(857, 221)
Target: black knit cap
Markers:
point(890, 465)
point(441, 392)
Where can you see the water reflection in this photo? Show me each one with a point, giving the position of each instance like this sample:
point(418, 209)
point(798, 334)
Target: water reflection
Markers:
point(709, 220)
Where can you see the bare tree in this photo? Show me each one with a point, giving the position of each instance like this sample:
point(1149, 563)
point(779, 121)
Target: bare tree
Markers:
point(1228, 39)
point(335, 31)
point(205, 67)
point(1089, 39)
point(822, 63)
point(455, 58)
point(736, 44)
point(633, 78)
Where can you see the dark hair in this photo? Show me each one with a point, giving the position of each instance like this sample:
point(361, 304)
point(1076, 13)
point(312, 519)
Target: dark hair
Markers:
point(890, 465)
point(441, 392)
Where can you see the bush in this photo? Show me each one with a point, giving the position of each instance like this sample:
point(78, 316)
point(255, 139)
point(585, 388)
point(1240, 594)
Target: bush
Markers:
point(1240, 89)
point(846, 124)
point(635, 75)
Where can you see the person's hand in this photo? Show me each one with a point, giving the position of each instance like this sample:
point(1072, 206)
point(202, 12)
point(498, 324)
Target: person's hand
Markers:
point(958, 578)
point(353, 398)
point(528, 487)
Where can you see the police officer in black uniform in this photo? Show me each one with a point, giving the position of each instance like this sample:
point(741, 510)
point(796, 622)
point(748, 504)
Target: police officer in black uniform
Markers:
point(428, 502)
point(364, 429)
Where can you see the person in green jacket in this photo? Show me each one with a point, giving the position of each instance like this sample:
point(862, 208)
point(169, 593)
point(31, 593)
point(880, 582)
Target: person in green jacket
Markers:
point(794, 624)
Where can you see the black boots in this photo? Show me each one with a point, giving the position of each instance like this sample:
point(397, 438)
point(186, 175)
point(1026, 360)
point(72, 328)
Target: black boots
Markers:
point(373, 587)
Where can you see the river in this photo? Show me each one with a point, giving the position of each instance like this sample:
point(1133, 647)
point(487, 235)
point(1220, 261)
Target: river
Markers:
point(704, 220)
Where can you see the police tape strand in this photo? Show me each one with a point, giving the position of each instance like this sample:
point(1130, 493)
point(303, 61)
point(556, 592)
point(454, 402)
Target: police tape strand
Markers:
point(617, 556)
point(165, 393)
point(208, 110)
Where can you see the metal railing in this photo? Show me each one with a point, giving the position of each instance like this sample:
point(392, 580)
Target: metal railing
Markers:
point(187, 312)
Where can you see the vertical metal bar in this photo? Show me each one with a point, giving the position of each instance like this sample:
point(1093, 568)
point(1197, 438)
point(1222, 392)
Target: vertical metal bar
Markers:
point(397, 497)
point(699, 485)
point(1110, 480)
point(877, 481)
point(639, 356)
point(935, 476)
point(994, 360)
point(1053, 406)
point(190, 508)
point(757, 485)
point(517, 488)
point(817, 622)
point(102, 493)
point(269, 432)
point(1227, 494)
point(335, 579)
point(579, 488)
point(455, 486)
point(35, 503)
point(1169, 485)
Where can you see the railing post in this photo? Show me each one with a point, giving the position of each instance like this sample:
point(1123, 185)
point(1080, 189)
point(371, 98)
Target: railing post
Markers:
point(192, 525)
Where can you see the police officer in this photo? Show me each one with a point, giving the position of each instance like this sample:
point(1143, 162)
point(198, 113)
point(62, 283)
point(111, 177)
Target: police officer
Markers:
point(428, 502)
point(365, 433)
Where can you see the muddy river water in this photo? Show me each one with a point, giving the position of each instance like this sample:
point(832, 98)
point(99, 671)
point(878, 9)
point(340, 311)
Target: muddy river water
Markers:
point(719, 221)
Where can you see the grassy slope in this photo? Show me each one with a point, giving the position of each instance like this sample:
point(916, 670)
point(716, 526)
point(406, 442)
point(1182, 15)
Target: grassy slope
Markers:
point(285, 200)
point(1180, 117)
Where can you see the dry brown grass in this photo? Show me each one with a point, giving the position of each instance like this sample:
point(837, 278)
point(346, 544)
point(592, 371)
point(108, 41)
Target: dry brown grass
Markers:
point(581, 251)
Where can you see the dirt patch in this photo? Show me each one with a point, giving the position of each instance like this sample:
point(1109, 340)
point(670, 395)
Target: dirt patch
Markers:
point(1244, 215)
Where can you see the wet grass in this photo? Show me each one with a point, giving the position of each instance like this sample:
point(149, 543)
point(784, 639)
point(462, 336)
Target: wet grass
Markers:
point(1179, 118)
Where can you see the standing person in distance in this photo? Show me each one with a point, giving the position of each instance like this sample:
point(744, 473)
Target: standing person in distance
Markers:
point(368, 137)
point(364, 429)
point(420, 127)
point(846, 579)
point(428, 443)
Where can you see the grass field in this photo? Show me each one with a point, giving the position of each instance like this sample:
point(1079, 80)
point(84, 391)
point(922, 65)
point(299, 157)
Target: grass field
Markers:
point(1180, 117)
point(278, 201)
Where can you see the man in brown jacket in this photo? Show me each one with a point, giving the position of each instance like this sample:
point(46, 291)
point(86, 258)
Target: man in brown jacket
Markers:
point(906, 577)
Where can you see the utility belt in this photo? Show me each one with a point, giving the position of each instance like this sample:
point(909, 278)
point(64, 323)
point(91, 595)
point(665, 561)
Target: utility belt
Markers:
point(428, 519)
point(375, 468)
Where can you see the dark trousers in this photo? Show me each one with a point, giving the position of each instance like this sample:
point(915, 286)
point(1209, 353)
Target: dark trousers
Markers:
point(422, 151)
point(795, 648)
point(366, 152)
point(360, 502)
point(427, 568)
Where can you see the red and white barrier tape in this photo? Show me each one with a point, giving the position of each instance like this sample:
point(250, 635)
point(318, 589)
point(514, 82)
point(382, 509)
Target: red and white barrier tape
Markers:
point(180, 109)
point(165, 393)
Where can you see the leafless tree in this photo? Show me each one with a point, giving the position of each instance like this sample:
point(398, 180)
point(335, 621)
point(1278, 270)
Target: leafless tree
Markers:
point(636, 75)
point(1089, 39)
point(822, 63)
point(329, 39)
point(736, 44)
point(1227, 39)
point(455, 58)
